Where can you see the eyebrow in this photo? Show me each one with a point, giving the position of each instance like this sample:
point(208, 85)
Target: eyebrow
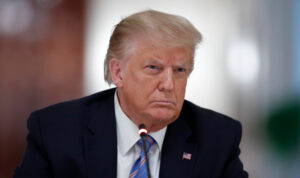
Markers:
point(158, 61)
point(155, 61)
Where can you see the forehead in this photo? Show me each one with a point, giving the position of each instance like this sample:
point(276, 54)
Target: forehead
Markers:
point(149, 51)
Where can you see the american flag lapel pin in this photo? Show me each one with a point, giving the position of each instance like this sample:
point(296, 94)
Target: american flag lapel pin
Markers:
point(187, 156)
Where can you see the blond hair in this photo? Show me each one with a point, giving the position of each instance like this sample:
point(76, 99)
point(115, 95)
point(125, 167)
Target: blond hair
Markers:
point(158, 27)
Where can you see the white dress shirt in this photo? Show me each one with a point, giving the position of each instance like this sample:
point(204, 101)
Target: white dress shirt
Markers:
point(128, 150)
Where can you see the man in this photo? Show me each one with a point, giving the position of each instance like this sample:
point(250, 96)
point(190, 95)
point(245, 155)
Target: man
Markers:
point(149, 59)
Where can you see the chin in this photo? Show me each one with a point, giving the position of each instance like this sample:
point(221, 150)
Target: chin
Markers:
point(167, 117)
point(161, 121)
point(161, 117)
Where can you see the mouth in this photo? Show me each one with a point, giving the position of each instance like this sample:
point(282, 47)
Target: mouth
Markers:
point(164, 103)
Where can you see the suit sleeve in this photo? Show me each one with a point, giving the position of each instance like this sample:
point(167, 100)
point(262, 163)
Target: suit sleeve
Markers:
point(35, 163)
point(234, 167)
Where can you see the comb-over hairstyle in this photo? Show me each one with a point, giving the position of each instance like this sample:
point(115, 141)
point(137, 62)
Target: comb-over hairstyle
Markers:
point(161, 29)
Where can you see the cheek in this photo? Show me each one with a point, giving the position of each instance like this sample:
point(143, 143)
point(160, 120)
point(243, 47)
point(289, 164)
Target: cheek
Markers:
point(144, 84)
point(139, 87)
point(180, 88)
point(131, 81)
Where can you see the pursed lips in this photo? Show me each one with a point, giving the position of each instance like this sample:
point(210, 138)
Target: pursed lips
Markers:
point(164, 103)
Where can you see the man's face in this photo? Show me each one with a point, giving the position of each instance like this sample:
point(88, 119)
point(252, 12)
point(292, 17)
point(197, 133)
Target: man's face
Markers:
point(151, 85)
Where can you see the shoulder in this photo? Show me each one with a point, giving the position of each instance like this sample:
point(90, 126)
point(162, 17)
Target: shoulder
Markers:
point(199, 114)
point(77, 105)
point(204, 121)
point(72, 111)
point(66, 122)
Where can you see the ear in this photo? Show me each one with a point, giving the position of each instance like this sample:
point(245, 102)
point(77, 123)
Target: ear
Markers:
point(115, 69)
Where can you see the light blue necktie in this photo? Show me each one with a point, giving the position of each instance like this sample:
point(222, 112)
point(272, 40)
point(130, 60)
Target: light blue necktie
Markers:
point(139, 168)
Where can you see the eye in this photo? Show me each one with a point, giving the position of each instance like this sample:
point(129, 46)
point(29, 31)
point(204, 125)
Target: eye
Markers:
point(152, 67)
point(180, 69)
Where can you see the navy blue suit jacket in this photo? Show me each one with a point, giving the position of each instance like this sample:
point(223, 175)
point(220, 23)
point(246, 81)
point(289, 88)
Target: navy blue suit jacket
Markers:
point(78, 139)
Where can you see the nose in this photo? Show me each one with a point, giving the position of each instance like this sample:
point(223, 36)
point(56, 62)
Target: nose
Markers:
point(167, 80)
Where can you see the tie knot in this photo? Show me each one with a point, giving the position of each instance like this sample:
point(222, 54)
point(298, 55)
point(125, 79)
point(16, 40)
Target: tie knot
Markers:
point(149, 141)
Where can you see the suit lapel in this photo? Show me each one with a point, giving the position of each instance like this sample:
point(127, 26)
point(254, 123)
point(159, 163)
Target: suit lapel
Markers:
point(101, 139)
point(177, 142)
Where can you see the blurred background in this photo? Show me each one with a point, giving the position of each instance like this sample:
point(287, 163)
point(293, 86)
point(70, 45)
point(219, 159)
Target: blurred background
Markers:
point(248, 67)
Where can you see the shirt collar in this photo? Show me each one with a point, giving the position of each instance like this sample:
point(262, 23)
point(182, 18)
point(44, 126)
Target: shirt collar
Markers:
point(127, 131)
